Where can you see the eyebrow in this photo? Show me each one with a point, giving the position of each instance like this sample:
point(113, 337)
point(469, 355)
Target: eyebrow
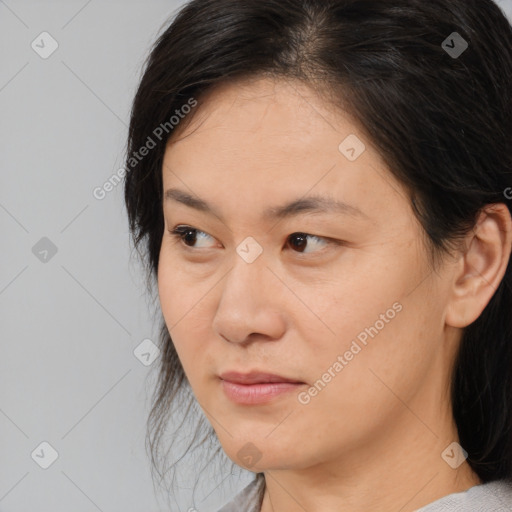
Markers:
point(310, 204)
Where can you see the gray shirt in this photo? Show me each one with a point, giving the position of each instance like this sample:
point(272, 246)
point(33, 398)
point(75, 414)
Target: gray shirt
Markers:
point(489, 497)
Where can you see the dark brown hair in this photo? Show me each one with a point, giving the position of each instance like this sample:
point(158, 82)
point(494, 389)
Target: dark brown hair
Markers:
point(441, 121)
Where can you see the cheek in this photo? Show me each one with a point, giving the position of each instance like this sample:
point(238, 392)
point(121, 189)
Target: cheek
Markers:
point(180, 295)
point(359, 390)
point(373, 335)
point(379, 364)
point(187, 311)
point(335, 310)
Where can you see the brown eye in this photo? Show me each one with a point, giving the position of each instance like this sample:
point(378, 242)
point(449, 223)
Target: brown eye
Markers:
point(186, 234)
point(302, 241)
point(298, 241)
point(190, 236)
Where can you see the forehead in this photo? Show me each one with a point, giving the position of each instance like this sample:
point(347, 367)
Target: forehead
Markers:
point(259, 140)
point(280, 109)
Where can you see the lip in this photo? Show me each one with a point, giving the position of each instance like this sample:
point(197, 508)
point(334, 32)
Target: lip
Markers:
point(256, 387)
point(256, 377)
point(250, 394)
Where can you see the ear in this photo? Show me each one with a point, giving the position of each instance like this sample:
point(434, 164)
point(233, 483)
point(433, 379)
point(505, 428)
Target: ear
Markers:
point(482, 266)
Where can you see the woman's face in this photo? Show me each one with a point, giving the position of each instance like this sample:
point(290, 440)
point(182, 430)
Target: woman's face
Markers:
point(348, 305)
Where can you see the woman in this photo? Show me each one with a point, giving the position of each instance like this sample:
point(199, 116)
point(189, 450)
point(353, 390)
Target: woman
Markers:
point(322, 191)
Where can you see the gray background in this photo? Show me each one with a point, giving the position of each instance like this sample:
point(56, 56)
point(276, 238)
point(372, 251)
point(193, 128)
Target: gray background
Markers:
point(70, 321)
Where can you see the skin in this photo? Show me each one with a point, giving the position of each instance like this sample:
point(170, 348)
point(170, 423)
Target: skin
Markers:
point(372, 439)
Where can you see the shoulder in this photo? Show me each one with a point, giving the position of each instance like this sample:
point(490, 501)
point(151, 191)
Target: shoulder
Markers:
point(495, 496)
point(249, 498)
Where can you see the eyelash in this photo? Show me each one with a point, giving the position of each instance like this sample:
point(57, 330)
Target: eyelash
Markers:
point(180, 231)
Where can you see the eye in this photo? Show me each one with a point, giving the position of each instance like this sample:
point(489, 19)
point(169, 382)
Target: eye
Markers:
point(299, 242)
point(303, 241)
point(189, 236)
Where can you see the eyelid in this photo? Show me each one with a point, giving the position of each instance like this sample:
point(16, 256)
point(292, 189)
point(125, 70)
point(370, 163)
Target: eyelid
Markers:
point(179, 229)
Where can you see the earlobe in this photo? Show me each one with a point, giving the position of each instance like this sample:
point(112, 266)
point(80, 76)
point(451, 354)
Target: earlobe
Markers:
point(482, 266)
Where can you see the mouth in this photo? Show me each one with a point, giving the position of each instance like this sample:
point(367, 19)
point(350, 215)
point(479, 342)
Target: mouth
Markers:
point(257, 387)
point(256, 377)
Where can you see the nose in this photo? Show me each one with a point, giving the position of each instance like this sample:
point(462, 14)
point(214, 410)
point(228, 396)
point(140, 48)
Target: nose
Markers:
point(251, 304)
